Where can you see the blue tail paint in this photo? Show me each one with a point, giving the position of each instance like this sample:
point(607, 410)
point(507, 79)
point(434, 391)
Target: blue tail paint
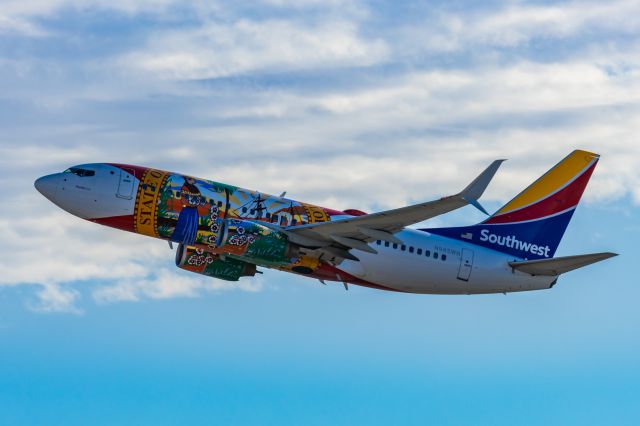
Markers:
point(537, 239)
point(532, 224)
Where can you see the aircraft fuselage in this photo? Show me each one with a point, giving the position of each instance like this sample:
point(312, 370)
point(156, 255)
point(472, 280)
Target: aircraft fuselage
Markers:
point(228, 227)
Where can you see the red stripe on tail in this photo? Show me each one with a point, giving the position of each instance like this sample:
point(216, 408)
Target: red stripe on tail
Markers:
point(562, 200)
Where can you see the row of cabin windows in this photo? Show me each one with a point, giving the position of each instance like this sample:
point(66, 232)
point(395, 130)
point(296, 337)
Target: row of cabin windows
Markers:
point(418, 251)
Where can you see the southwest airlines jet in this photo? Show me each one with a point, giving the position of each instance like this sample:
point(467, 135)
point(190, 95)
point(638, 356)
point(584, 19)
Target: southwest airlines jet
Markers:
point(226, 232)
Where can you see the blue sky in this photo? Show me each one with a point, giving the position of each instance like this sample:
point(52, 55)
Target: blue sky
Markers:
point(347, 104)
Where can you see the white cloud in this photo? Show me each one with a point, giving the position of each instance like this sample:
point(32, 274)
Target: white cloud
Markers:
point(223, 49)
point(532, 113)
point(43, 8)
point(342, 4)
point(165, 284)
point(381, 136)
point(11, 24)
point(518, 23)
point(22, 17)
point(54, 248)
point(56, 298)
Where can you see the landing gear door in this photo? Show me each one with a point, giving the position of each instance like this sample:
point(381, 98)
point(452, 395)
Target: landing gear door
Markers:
point(125, 185)
point(466, 264)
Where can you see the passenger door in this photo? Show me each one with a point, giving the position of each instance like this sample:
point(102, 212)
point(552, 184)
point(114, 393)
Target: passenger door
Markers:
point(125, 185)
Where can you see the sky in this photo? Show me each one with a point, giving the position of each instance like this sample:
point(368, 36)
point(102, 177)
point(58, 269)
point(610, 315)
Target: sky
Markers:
point(343, 103)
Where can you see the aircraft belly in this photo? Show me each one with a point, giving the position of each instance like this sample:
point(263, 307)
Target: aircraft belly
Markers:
point(354, 268)
point(412, 274)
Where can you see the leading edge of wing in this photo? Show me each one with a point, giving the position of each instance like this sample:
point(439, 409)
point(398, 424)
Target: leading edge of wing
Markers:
point(369, 227)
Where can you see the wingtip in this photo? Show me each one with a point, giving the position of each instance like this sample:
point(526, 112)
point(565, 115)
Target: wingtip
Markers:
point(476, 188)
point(498, 162)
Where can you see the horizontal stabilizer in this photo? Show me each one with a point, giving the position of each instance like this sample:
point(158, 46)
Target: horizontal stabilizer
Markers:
point(559, 265)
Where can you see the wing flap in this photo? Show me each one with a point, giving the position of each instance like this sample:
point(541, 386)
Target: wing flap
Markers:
point(559, 265)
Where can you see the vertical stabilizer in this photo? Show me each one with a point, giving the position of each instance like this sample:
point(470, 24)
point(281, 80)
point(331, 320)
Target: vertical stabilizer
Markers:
point(532, 224)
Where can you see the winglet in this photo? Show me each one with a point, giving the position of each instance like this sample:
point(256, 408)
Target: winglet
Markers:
point(475, 189)
point(476, 204)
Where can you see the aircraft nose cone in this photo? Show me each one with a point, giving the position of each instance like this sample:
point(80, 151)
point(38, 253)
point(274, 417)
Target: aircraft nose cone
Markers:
point(47, 186)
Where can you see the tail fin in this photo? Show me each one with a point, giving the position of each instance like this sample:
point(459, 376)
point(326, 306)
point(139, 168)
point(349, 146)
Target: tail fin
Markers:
point(532, 224)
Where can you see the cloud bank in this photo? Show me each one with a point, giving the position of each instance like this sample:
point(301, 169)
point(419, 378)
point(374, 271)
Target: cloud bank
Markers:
point(349, 104)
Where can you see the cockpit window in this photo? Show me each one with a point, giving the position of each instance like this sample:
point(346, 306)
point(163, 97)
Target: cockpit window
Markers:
point(80, 172)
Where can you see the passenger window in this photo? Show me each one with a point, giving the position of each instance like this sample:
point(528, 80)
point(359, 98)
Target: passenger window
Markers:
point(435, 255)
point(378, 242)
point(427, 253)
point(403, 247)
point(419, 251)
point(395, 246)
point(244, 210)
point(386, 243)
point(444, 257)
point(411, 249)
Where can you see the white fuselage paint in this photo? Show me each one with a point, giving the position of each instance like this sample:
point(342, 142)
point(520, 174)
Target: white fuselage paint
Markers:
point(91, 197)
point(410, 272)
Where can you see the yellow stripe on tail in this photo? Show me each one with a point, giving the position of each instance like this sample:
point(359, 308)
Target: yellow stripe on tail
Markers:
point(551, 181)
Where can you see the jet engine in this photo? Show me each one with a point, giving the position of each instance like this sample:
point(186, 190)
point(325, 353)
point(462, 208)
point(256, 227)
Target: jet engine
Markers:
point(212, 265)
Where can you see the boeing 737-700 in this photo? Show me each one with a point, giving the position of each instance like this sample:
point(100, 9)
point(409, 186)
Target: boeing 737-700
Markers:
point(226, 232)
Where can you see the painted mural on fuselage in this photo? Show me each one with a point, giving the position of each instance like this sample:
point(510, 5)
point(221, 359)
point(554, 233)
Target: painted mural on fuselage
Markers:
point(191, 210)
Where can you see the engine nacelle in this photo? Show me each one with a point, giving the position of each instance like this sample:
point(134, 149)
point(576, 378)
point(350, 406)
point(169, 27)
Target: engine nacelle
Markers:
point(257, 242)
point(203, 262)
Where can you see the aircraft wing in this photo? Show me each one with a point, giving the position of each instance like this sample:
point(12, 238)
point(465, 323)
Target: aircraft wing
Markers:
point(356, 232)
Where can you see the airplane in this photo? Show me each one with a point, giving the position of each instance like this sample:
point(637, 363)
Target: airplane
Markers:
point(226, 232)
